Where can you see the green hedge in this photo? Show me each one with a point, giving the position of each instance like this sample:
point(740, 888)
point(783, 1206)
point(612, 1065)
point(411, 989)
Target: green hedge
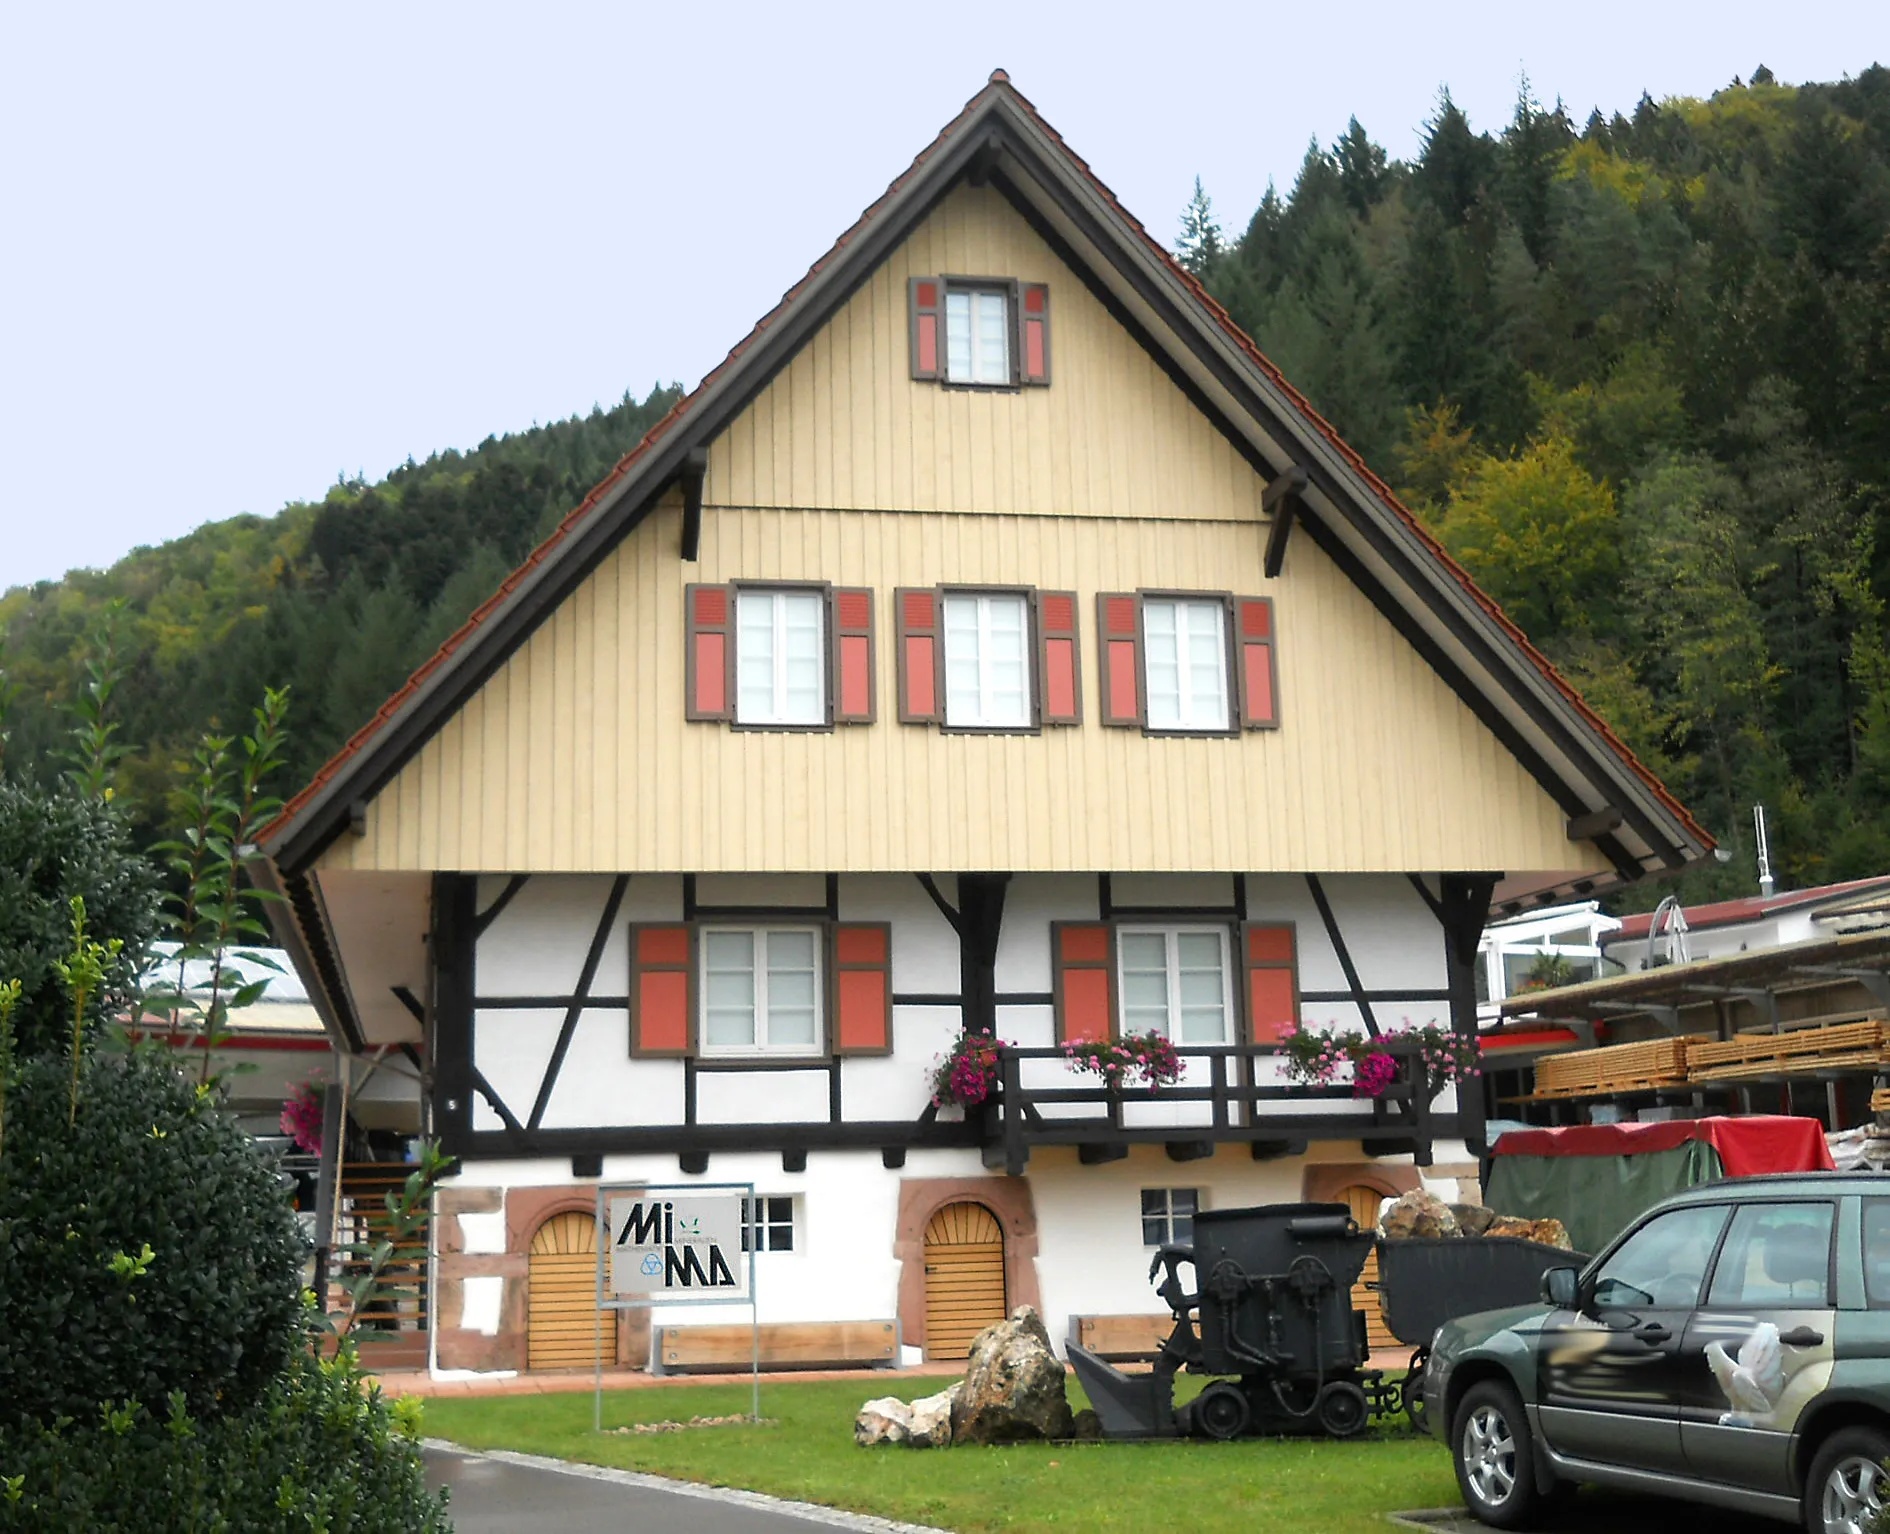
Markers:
point(152, 1160)
point(321, 1451)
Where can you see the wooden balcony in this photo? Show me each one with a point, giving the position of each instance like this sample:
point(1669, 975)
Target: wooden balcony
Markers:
point(1226, 1094)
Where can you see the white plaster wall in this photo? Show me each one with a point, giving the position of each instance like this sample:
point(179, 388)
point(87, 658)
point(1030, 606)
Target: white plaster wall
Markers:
point(1031, 903)
point(600, 1084)
point(479, 1303)
point(925, 948)
point(536, 945)
point(895, 1086)
point(761, 1097)
point(482, 1233)
point(511, 1048)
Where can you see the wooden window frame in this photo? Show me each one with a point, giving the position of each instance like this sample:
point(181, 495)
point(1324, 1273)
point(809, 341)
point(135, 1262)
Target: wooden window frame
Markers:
point(825, 650)
point(1170, 928)
point(1011, 291)
point(1230, 676)
point(1033, 677)
point(818, 1052)
point(750, 1224)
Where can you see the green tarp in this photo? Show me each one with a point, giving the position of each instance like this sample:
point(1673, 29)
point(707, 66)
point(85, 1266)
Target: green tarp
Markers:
point(1596, 1196)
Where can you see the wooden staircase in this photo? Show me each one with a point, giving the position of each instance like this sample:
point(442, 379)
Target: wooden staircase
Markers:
point(391, 1333)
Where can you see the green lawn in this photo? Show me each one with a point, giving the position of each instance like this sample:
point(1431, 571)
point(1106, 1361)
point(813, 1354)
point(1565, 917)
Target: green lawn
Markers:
point(1308, 1486)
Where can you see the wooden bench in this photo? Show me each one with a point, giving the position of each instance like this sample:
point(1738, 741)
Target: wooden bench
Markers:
point(1122, 1338)
point(784, 1345)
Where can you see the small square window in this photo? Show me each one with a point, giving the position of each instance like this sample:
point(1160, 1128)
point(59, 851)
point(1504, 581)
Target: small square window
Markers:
point(780, 658)
point(761, 991)
point(1168, 1215)
point(978, 336)
point(1185, 657)
point(987, 661)
point(768, 1224)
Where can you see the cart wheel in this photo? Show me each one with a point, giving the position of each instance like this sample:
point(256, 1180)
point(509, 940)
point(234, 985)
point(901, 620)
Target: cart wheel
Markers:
point(1221, 1411)
point(1342, 1409)
point(1414, 1390)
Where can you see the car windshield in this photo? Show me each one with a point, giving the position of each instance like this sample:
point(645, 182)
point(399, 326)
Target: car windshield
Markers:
point(1663, 1262)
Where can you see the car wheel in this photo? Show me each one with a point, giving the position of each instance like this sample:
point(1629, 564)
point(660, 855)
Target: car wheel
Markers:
point(1495, 1456)
point(1846, 1488)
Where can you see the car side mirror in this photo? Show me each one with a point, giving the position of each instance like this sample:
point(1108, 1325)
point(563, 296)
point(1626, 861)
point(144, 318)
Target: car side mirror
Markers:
point(1561, 1287)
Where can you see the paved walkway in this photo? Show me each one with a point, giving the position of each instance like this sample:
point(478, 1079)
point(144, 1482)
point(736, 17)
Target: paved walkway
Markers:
point(500, 1493)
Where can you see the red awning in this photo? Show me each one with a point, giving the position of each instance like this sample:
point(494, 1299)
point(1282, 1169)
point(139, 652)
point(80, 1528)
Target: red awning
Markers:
point(1747, 1146)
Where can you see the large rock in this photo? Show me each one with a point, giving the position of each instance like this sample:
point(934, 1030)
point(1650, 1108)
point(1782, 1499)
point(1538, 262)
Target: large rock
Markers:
point(1543, 1232)
point(930, 1426)
point(1013, 1389)
point(1418, 1214)
point(886, 1420)
point(1473, 1219)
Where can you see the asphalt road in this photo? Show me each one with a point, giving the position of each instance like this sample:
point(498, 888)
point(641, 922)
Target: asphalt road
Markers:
point(501, 1496)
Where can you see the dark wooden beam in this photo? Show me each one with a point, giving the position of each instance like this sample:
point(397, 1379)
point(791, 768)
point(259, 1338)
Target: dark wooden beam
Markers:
point(1189, 1150)
point(695, 468)
point(892, 1157)
point(695, 1163)
point(1273, 1150)
point(794, 1160)
point(1281, 501)
point(1097, 1153)
point(1585, 828)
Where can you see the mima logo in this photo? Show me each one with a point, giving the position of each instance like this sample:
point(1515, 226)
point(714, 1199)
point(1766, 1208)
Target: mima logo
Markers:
point(675, 1248)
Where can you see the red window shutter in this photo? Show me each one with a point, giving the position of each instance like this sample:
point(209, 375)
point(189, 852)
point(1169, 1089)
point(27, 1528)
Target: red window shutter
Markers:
point(1033, 334)
point(1083, 980)
point(709, 656)
point(1059, 670)
point(855, 694)
point(921, 699)
point(1119, 657)
point(926, 298)
point(1259, 669)
point(1271, 963)
point(862, 988)
point(662, 990)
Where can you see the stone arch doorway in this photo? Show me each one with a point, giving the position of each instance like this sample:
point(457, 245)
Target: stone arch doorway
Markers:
point(561, 1295)
point(964, 1277)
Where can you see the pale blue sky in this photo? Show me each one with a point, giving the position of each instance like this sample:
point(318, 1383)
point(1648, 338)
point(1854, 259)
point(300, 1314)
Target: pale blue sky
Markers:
point(245, 249)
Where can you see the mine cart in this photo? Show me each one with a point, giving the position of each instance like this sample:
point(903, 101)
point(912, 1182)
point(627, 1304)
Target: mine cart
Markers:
point(1272, 1307)
point(1423, 1282)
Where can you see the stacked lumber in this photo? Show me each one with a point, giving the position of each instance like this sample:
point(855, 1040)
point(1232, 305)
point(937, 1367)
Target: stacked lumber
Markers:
point(1880, 1100)
point(1783, 1054)
point(1614, 1068)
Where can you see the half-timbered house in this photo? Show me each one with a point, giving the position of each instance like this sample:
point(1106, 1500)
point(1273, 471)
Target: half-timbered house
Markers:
point(995, 641)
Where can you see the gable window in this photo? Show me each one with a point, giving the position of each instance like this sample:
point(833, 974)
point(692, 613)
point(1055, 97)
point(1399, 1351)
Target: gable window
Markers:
point(779, 658)
point(1168, 1215)
point(987, 662)
point(1185, 656)
point(1174, 981)
point(977, 336)
point(768, 1224)
point(761, 991)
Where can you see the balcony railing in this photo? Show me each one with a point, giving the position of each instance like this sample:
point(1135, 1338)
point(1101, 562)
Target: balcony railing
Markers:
point(1225, 1093)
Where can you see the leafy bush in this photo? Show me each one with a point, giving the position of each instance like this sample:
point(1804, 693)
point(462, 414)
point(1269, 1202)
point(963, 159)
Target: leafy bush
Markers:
point(320, 1450)
point(54, 845)
point(145, 1248)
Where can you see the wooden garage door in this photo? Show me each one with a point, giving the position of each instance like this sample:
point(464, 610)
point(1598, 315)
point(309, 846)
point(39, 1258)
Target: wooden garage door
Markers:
point(1365, 1202)
point(562, 1297)
point(964, 1278)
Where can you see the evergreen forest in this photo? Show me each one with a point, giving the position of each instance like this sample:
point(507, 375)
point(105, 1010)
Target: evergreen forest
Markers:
point(1634, 371)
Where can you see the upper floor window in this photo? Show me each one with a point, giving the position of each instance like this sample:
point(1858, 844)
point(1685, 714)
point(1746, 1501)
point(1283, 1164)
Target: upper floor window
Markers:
point(987, 661)
point(780, 662)
point(1175, 981)
point(978, 336)
point(988, 332)
point(1185, 657)
point(761, 991)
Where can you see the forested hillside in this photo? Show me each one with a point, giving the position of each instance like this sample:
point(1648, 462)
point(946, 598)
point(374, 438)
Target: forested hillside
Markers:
point(339, 600)
point(1636, 373)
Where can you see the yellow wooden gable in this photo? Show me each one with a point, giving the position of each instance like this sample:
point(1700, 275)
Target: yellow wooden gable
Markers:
point(575, 755)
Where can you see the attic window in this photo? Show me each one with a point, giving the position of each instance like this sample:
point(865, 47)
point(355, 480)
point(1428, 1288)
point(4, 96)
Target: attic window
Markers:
point(979, 332)
point(977, 336)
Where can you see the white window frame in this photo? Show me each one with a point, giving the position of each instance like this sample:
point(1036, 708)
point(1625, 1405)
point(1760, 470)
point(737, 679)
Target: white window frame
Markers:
point(1188, 720)
point(982, 721)
point(1172, 956)
point(973, 293)
point(1167, 1214)
point(761, 1048)
point(758, 1235)
point(777, 714)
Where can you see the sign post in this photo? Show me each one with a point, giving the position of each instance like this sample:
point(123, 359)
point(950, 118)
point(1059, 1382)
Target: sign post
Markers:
point(667, 1246)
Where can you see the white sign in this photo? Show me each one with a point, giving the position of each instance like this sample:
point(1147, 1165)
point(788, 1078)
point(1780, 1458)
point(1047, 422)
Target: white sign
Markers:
point(681, 1246)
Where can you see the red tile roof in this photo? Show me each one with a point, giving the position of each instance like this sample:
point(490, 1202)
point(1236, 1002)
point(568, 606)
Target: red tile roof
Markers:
point(1727, 913)
point(999, 82)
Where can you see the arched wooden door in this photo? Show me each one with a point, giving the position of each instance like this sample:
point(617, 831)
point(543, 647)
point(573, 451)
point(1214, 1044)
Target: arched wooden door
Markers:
point(1364, 1203)
point(561, 1317)
point(964, 1278)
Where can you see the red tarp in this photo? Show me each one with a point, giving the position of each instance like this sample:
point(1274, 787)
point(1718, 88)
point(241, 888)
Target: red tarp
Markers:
point(1747, 1146)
